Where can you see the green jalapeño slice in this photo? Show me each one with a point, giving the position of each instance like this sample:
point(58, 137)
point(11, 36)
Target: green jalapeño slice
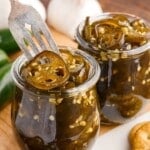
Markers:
point(117, 32)
point(46, 71)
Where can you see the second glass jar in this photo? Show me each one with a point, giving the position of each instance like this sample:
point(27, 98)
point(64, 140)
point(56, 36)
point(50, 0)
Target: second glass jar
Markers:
point(124, 84)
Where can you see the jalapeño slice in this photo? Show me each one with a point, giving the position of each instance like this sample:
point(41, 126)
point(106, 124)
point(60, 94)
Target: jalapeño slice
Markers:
point(46, 71)
point(115, 33)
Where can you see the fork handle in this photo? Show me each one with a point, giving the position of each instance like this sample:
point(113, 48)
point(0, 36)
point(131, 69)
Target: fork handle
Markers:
point(13, 2)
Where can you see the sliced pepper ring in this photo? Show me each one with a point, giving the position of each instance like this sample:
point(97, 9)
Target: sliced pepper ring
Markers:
point(46, 71)
point(113, 36)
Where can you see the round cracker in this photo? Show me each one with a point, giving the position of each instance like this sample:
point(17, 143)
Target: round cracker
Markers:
point(141, 137)
point(134, 129)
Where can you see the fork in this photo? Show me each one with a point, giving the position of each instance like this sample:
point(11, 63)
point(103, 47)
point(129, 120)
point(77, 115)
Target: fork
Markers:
point(29, 30)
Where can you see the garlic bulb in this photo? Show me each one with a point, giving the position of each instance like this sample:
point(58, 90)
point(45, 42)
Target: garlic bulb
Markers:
point(65, 15)
point(5, 10)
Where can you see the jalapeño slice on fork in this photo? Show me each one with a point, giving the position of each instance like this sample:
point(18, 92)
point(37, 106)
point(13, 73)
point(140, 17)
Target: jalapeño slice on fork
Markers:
point(46, 71)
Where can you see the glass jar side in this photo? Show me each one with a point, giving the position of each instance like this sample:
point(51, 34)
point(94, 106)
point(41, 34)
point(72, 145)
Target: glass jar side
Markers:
point(124, 83)
point(58, 119)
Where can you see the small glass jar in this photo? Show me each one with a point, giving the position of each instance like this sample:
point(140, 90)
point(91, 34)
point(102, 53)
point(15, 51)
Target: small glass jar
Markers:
point(55, 119)
point(124, 84)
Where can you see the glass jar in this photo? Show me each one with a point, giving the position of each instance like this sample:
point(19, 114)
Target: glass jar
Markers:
point(124, 84)
point(57, 119)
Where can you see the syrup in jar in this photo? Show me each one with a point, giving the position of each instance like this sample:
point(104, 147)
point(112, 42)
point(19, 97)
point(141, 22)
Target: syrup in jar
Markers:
point(64, 117)
point(121, 44)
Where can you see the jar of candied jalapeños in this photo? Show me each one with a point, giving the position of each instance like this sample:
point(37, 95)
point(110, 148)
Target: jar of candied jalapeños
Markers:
point(62, 118)
point(121, 44)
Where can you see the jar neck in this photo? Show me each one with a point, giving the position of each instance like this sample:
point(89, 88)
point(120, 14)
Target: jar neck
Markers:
point(95, 51)
point(93, 76)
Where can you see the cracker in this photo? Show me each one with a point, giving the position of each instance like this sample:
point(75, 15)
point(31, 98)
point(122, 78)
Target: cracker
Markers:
point(134, 130)
point(140, 136)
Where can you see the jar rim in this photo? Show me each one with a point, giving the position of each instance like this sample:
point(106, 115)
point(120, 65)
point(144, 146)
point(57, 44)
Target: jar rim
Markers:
point(93, 73)
point(89, 47)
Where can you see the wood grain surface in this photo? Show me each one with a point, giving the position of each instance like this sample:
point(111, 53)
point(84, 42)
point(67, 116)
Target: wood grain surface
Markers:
point(139, 7)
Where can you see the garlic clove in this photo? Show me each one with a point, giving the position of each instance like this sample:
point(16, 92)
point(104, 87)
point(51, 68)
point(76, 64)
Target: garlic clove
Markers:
point(65, 15)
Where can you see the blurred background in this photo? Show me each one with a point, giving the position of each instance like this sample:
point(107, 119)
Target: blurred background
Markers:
point(137, 7)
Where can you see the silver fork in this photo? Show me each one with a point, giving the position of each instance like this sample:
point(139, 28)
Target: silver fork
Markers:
point(29, 30)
